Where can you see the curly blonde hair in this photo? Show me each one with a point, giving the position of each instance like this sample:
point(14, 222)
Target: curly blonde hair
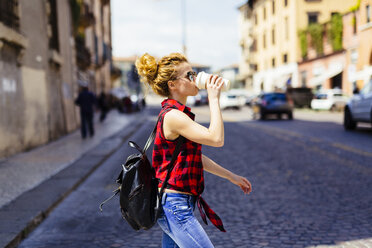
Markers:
point(157, 74)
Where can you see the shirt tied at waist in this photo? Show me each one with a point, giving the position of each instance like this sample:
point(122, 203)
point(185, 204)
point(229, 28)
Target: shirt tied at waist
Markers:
point(204, 210)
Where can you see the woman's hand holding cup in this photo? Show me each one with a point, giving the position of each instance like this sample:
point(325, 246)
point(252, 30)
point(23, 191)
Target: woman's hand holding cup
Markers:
point(214, 86)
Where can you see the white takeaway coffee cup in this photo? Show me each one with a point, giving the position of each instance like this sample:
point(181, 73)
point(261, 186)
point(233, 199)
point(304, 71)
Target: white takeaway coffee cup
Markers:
point(201, 81)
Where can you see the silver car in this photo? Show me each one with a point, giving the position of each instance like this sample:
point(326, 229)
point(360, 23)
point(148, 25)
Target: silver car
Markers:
point(359, 108)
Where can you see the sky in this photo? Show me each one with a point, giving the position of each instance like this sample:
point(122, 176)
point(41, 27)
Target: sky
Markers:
point(155, 27)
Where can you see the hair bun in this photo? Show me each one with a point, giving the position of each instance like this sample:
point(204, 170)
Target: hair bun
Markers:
point(147, 67)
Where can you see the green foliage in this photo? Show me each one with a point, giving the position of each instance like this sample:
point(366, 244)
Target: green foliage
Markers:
point(353, 21)
point(316, 33)
point(303, 42)
point(335, 32)
point(355, 7)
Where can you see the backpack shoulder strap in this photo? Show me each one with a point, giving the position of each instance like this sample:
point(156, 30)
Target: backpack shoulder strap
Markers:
point(152, 135)
point(171, 164)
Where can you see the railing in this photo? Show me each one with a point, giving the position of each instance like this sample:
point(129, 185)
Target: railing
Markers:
point(83, 57)
point(104, 2)
point(87, 17)
point(8, 13)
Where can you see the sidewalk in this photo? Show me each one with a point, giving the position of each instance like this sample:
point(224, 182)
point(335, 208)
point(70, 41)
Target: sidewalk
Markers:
point(34, 182)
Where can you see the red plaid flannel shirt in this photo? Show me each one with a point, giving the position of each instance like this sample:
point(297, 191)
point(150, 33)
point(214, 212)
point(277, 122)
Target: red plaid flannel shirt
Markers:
point(187, 174)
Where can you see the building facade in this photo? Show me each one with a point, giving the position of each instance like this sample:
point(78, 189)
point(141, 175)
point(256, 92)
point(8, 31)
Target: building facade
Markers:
point(246, 42)
point(231, 73)
point(125, 65)
point(364, 64)
point(323, 57)
point(93, 37)
point(275, 50)
point(39, 70)
point(348, 67)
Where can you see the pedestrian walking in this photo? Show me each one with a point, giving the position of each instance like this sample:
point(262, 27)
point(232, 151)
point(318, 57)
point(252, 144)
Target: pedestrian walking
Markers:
point(172, 76)
point(103, 106)
point(86, 100)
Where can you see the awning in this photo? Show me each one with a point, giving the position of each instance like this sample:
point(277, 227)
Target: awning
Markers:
point(326, 75)
point(364, 74)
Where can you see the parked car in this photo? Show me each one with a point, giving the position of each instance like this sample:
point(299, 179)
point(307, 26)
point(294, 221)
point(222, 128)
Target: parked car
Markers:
point(359, 108)
point(273, 103)
point(191, 100)
point(332, 100)
point(249, 100)
point(201, 98)
point(301, 97)
point(232, 99)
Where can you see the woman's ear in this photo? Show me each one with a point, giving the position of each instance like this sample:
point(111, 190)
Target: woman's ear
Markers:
point(171, 84)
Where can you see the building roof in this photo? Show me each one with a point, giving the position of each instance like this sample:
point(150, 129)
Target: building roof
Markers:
point(199, 65)
point(125, 59)
point(249, 3)
point(233, 66)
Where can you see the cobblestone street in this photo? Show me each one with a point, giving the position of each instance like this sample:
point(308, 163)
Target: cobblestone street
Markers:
point(311, 187)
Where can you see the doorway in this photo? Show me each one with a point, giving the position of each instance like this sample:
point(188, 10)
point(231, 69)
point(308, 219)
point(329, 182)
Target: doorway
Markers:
point(336, 81)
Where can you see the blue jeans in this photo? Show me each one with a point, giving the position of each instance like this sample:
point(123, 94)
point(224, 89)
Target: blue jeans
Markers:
point(179, 225)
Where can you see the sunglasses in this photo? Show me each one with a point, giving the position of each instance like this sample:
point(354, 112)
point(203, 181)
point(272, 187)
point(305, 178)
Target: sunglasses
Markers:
point(191, 75)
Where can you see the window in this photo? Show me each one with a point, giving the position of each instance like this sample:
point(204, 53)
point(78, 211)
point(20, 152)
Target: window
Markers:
point(354, 56)
point(273, 62)
point(286, 28)
point(9, 13)
point(273, 6)
point(264, 40)
point(273, 35)
point(253, 47)
point(53, 40)
point(264, 13)
point(368, 13)
point(312, 17)
point(354, 24)
point(285, 3)
point(253, 67)
point(255, 19)
point(303, 78)
point(285, 58)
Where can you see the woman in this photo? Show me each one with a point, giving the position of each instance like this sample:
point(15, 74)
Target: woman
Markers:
point(172, 77)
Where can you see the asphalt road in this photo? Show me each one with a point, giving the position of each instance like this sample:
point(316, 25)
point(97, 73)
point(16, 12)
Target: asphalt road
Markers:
point(311, 186)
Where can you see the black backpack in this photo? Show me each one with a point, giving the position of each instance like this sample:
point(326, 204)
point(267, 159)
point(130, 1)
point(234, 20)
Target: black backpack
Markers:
point(140, 199)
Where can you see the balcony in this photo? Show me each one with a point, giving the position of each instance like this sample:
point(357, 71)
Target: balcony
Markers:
point(86, 18)
point(83, 57)
point(253, 47)
point(104, 2)
point(8, 14)
point(115, 72)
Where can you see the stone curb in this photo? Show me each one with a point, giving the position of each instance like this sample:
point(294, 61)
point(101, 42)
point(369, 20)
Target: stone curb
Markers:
point(21, 216)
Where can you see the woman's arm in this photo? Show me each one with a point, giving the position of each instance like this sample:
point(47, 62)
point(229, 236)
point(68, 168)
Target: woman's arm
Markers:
point(214, 168)
point(178, 123)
